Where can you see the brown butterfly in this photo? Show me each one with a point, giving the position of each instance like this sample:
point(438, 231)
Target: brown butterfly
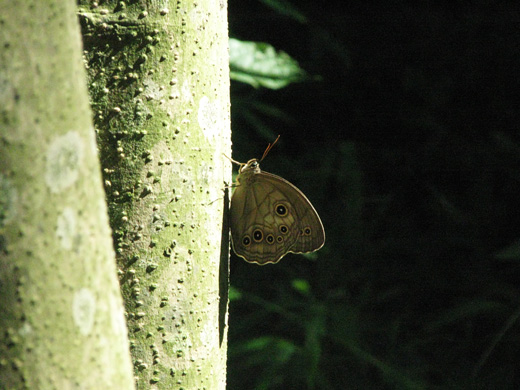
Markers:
point(270, 217)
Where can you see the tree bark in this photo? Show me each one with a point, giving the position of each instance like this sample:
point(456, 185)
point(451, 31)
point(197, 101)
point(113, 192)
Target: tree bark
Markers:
point(62, 321)
point(159, 85)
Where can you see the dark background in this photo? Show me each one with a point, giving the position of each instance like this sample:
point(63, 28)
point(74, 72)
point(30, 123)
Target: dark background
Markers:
point(406, 140)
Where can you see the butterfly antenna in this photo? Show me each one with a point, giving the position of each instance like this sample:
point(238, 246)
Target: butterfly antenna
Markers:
point(233, 161)
point(269, 147)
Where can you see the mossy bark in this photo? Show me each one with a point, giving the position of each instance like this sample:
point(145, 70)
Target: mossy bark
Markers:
point(159, 87)
point(61, 313)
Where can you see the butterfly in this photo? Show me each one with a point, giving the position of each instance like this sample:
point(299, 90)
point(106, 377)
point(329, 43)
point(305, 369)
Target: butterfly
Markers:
point(270, 217)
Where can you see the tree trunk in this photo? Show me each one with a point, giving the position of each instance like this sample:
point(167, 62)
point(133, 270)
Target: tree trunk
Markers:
point(61, 321)
point(159, 84)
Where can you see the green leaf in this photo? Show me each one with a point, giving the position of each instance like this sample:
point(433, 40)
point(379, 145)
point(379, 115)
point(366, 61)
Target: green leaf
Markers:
point(234, 294)
point(302, 286)
point(260, 65)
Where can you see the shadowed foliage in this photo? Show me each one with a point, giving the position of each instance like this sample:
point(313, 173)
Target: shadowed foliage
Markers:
point(404, 136)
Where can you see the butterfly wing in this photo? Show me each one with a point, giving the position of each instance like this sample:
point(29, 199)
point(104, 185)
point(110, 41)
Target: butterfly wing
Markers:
point(271, 217)
point(311, 234)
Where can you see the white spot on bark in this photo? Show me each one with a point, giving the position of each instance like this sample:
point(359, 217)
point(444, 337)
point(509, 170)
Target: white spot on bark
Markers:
point(83, 310)
point(64, 158)
point(186, 92)
point(207, 117)
point(209, 333)
point(66, 228)
point(25, 330)
point(153, 91)
point(117, 315)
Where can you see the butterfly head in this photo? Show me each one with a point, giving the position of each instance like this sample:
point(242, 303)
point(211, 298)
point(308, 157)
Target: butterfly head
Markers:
point(248, 170)
point(252, 166)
